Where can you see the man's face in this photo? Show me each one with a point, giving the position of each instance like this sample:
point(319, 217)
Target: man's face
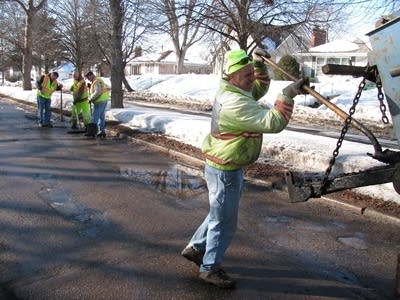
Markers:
point(53, 76)
point(244, 78)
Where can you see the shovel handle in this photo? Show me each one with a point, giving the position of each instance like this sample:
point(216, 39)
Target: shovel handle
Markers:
point(330, 105)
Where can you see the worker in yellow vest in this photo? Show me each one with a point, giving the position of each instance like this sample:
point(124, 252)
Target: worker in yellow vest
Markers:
point(80, 93)
point(99, 94)
point(46, 86)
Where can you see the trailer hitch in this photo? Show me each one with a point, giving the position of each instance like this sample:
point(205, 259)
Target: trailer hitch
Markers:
point(301, 189)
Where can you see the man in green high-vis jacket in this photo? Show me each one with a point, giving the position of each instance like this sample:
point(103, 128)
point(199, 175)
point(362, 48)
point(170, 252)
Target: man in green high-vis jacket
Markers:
point(80, 94)
point(46, 86)
point(235, 141)
point(99, 95)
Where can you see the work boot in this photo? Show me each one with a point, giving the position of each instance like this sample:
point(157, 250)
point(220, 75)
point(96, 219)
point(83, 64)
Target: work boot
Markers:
point(218, 277)
point(101, 135)
point(193, 255)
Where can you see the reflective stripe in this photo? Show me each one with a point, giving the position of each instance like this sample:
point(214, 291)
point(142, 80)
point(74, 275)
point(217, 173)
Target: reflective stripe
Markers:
point(222, 161)
point(215, 159)
point(230, 136)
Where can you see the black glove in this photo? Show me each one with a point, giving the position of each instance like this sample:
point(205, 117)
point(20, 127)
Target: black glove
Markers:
point(295, 88)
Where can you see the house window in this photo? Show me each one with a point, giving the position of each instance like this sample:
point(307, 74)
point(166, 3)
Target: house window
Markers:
point(333, 60)
point(320, 63)
point(149, 68)
point(313, 66)
point(345, 61)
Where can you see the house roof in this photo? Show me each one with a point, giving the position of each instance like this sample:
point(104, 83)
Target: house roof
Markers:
point(341, 46)
point(168, 57)
point(65, 67)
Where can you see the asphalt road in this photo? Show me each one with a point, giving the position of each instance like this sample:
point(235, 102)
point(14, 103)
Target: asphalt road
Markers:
point(107, 219)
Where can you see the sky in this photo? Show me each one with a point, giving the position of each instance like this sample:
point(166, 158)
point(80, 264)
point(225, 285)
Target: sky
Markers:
point(362, 19)
point(297, 151)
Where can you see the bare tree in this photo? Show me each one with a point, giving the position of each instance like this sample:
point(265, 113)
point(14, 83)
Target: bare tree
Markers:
point(117, 70)
point(30, 10)
point(135, 25)
point(73, 28)
point(249, 22)
point(45, 43)
point(47, 48)
point(11, 35)
point(181, 20)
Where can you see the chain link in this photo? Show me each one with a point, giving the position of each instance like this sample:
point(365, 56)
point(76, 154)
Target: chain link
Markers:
point(343, 133)
point(382, 105)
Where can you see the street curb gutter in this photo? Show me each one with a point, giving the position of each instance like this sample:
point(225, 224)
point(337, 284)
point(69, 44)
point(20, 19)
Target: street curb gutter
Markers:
point(199, 164)
point(365, 211)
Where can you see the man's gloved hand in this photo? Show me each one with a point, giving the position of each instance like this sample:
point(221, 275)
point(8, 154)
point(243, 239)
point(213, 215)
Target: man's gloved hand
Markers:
point(383, 20)
point(294, 89)
point(258, 53)
point(286, 109)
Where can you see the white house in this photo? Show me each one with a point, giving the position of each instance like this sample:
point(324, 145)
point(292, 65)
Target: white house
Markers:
point(340, 52)
point(312, 51)
point(164, 63)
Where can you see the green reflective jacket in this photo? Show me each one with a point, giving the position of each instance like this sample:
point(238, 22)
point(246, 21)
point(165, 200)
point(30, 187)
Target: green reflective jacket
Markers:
point(237, 124)
point(79, 91)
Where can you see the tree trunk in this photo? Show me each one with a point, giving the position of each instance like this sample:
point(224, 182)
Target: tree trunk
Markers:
point(117, 71)
point(27, 52)
point(180, 60)
point(126, 84)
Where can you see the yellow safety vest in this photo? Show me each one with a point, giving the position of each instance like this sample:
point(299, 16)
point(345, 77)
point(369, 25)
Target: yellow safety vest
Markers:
point(48, 87)
point(105, 90)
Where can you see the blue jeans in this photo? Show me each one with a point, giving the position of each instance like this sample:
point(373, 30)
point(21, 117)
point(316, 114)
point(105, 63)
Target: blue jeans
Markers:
point(99, 115)
point(216, 232)
point(44, 108)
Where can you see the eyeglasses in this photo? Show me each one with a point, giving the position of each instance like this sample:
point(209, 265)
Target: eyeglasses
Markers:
point(243, 61)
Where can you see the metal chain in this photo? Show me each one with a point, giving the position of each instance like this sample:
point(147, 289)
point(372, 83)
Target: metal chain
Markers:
point(343, 133)
point(382, 105)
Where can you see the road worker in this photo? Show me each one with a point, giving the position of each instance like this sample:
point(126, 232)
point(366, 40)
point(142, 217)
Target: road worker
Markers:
point(237, 124)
